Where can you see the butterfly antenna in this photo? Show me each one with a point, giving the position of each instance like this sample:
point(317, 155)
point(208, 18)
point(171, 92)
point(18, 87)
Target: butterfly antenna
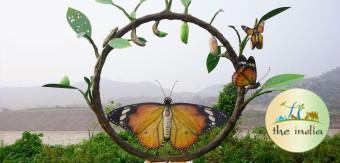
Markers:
point(265, 75)
point(160, 87)
point(173, 86)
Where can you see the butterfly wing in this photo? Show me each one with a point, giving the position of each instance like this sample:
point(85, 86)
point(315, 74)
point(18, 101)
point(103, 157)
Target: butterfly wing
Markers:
point(239, 79)
point(259, 39)
point(242, 60)
point(250, 72)
point(191, 120)
point(246, 74)
point(253, 40)
point(260, 27)
point(248, 30)
point(144, 120)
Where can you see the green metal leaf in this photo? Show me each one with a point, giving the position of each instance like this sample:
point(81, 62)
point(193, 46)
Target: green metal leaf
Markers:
point(273, 13)
point(282, 80)
point(185, 32)
point(185, 2)
point(243, 44)
point(162, 34)
point(158, 32)
point(212, 61)
point(143, 40)
point(89, 84)
point(65, 81)
point(104, 1)
point(87, 80)
point(119, 43)
point(81, 34)
point(59, 86)
point(78, 22)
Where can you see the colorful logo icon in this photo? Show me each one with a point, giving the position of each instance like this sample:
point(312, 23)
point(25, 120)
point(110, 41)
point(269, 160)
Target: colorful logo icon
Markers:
point(297, 120)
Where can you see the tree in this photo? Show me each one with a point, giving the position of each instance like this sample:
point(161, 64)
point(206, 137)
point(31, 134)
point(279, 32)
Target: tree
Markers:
point(227, 99)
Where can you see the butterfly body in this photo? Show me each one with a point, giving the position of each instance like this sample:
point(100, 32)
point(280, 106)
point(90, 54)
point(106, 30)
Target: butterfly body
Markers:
point(167, 116)
point(178, 123)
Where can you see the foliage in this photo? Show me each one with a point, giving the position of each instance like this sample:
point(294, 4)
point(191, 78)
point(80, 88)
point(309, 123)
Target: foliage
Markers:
point(79, 22)
point(213, 60)
point(260, 132)
point(119, 43)
point(64, 83)
point(227, 99)
point(282, 80)
point(104, 1)
point(23, 150)
point(110, 107)
point(273, 13)
point(100, 148)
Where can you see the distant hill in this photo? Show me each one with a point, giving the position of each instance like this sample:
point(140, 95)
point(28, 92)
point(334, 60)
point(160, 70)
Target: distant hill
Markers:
point(327, 86)
point(60, 118)
point(13, 98)
point(83, 119)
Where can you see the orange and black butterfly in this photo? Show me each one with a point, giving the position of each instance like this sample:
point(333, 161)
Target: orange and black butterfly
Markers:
point(246, 74)
point(179, 123)
point(255, 33)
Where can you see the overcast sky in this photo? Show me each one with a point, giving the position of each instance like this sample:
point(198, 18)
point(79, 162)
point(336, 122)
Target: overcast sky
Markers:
point(37, 46)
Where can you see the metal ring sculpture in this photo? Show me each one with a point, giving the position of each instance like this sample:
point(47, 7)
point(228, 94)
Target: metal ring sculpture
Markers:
point(97, 107)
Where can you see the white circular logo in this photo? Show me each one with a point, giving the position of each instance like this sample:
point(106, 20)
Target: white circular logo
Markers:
point(297, 120)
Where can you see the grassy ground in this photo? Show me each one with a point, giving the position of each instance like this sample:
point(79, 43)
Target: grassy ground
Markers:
point(100, 148)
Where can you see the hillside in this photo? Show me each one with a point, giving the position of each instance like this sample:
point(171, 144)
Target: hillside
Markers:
point(59, 118)
point(83, 119)
point(14, 98)
point(327, 86)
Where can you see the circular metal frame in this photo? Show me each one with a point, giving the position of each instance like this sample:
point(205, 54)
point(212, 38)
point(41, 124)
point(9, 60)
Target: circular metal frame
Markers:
point(97, 107)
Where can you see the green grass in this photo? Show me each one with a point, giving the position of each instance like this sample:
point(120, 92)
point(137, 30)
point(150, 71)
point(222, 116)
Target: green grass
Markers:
point(100, 148)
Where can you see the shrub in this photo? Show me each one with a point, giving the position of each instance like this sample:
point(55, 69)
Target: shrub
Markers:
point(100, 148)
point(227, 99)
point(23, 150)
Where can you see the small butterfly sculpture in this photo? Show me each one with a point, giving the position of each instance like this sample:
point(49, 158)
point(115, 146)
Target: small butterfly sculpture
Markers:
point(179, 123)
point(246, 74)
point(255, 33)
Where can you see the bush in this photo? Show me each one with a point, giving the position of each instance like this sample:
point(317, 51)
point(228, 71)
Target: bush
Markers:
point(100, 148)
point(227, 99)
point(23, 150)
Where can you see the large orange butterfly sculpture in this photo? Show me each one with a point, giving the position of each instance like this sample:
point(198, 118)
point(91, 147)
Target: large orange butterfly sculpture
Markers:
point(246, 74)
point(179, 123)
point(255, 33)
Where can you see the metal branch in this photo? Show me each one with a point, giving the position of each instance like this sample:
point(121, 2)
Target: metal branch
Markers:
point(110, 36)
point(138, 5)
point(178, 16)
point(123, 10)
point(93, 45)
point(213, 18)
point(257, 94)
point(96, 104)
point(168, 7)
